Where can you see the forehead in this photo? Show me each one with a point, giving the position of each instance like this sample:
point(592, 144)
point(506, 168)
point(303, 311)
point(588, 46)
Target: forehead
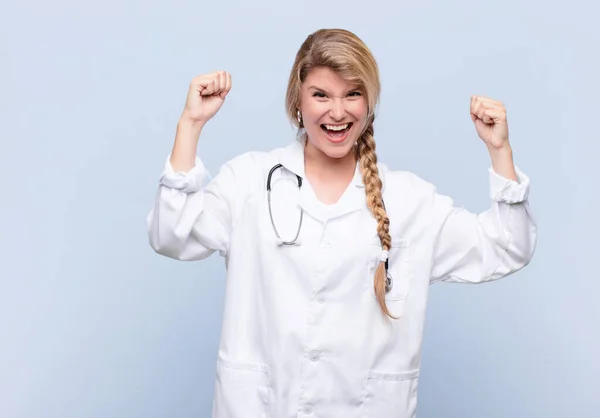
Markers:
point(327, 79)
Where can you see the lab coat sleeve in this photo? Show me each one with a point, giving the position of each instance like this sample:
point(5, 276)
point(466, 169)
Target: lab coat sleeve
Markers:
point(476, 248)
point(190, 219)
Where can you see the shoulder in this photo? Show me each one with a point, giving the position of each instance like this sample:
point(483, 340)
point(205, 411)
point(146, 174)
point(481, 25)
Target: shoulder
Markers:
point(410, 196)
point(405, 183)
point(251, 168)
point(255, 161)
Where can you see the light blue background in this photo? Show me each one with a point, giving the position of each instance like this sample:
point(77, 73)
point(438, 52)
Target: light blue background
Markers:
point(94, 324)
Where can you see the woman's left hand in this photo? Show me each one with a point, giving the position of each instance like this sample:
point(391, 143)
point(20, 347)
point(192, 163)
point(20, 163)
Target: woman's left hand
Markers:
point(490, 121)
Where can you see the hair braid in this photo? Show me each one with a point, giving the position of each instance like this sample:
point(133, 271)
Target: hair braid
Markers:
point(368, 164)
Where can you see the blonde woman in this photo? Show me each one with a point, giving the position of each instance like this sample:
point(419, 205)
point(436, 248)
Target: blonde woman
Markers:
point(330, 254)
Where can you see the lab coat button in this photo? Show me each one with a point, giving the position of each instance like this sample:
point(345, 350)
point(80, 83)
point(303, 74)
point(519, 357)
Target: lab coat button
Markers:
point(321, 299)
point(307, 410)
point(326, 244)
point(314, 356)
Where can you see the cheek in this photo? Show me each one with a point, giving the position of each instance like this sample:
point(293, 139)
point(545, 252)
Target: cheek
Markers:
point(358, 109)
point(312, 120)
point(313, 112)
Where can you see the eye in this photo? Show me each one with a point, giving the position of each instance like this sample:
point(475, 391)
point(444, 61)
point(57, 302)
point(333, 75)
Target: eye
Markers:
point(318, 94)
point(354, 94)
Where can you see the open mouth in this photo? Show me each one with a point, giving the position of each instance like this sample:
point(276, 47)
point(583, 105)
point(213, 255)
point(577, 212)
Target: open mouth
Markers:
point(337, 132)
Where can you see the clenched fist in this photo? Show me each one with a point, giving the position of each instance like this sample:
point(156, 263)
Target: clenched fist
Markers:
point(206, 96)
point(490, 121)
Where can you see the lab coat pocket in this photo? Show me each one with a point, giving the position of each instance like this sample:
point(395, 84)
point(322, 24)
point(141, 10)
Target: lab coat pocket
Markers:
point(399, 274)
point(242, 390)
point(390, 394)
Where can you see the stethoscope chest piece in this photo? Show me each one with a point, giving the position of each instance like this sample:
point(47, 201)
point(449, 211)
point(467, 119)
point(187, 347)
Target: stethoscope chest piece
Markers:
point(389, 283)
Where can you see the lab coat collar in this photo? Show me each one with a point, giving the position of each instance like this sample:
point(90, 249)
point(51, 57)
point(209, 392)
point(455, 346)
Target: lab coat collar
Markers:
point(353, 199)
point(292, 158)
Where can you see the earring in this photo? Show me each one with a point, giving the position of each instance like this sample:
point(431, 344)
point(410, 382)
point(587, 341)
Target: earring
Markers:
point(299, 116)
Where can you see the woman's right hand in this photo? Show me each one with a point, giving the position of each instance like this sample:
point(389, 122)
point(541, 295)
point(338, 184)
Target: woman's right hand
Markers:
point(206, 95)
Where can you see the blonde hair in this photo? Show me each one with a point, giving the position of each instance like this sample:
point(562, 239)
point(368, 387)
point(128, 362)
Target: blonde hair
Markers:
point(347, 55)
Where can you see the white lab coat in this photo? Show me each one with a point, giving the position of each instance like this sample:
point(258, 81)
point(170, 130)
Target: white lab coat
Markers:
point(303, 335)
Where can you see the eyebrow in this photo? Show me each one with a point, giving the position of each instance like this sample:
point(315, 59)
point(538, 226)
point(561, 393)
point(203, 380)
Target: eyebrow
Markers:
point(325, 91)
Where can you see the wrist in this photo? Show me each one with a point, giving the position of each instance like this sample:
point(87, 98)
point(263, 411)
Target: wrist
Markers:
point(504, 150)
point(189, 123)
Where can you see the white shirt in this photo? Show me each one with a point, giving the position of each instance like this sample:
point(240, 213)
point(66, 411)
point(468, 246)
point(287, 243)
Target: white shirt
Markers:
point(303, 334)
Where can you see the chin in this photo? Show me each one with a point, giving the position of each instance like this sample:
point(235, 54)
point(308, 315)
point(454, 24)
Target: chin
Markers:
point(338, 150)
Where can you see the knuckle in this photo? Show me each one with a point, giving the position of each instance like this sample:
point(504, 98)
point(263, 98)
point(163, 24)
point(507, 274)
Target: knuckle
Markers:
point(197, 80)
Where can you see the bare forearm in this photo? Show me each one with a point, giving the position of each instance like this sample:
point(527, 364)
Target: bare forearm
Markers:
point(502, 161)
point(184, 150)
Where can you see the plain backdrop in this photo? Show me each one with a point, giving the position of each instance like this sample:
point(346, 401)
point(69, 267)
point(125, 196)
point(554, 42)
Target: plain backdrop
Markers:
point(94, 324)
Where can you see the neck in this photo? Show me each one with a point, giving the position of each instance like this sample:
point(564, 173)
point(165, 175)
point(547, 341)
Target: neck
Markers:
point(318, 164)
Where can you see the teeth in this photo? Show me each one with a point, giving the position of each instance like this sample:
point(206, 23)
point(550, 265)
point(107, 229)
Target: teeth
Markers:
point(336, 127)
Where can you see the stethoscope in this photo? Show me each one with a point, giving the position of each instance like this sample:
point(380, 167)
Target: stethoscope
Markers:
point(293, 242)
point(388, 282)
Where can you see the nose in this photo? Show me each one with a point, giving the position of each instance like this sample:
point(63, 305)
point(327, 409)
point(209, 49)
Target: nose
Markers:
point(337, 110)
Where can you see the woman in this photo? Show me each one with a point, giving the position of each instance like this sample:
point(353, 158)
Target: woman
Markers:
point(330, 254)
